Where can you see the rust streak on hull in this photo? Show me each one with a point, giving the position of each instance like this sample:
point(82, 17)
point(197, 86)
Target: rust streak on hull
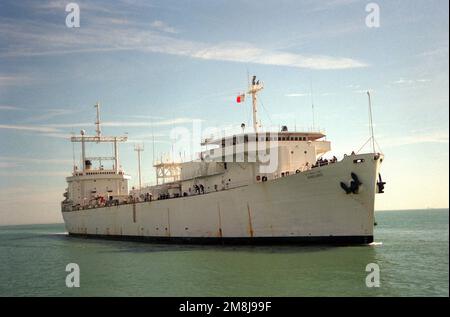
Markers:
point(250, 226)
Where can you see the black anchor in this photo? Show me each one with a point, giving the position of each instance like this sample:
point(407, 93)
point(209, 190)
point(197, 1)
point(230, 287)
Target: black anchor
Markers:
point(354, 185)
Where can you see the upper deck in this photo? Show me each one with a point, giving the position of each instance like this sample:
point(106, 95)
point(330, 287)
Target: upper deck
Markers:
point(264, 136)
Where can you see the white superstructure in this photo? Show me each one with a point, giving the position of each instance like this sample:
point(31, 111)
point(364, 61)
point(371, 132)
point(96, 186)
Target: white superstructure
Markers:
point(256, 187)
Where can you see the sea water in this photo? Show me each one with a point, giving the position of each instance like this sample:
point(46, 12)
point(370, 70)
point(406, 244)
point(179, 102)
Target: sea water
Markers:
point(410, 250)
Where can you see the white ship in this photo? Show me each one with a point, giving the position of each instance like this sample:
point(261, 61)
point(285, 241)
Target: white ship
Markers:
point(234, 193)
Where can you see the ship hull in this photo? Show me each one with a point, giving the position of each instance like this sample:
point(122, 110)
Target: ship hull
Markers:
point(325, 240)
point(306, 208)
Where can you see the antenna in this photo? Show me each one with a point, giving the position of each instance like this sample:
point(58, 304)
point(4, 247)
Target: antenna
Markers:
point(138, 148)
point(371, 122)
point(97, 123)
point(312, 105)
point(248, 79)
point(153, 146)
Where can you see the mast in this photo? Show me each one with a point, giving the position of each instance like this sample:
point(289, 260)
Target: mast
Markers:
point(255, 87)
point(73, 156)
point(83, 150)
point(371, 123)
point(97, 122)
point(98, 138)
point(116, 156)
point(139, 149)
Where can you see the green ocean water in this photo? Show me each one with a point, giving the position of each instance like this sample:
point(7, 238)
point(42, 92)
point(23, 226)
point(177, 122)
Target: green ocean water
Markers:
point(412, 253)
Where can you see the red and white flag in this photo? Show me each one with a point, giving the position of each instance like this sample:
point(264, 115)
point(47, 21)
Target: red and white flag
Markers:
point(240, 98)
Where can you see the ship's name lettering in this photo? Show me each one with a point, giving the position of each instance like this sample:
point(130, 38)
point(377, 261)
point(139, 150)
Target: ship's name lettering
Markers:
point(314, 175)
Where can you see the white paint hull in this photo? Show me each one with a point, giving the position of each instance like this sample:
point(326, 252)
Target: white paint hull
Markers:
point(301, 207)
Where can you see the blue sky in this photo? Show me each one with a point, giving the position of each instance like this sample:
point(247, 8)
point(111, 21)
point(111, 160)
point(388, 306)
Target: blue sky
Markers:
point(166, 63)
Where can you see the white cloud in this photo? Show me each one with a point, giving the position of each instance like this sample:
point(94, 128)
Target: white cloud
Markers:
point(13, 80)
point(47, 39)
point(57, 135)
point(50, 113)
point(423, 80)
point(7, 164)
point(403, 81)
point(145, 117)
point(143, 140)
point(33, 173)
point(363, 91)
point(416, 138)
point(303, 94)
point(29, 128)
point(247, 53)
point(60, 6)
point(167, 122)
point(57, 130)
point(162, 26)
point(297, 94)
point(3, 107)
point(15, 160)
point(51, 5)
point(331, 5)
point(130, 124)
point(441, 51)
